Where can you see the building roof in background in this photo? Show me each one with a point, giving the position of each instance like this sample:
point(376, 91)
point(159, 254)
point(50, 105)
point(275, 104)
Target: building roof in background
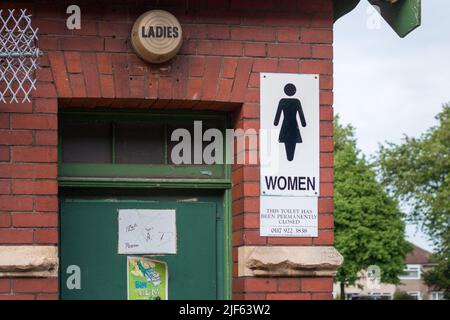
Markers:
point(418, 256)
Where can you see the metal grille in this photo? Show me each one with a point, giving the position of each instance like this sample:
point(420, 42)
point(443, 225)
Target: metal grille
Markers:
point(18, 56)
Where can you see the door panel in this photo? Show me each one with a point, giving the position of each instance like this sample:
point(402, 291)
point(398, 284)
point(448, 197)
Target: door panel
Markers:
point(89, 240)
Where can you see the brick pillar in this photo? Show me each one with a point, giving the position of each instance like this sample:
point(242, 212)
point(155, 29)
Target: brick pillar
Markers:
point(28, 200)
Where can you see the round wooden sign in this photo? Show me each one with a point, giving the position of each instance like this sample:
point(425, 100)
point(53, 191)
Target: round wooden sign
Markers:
point(156, 36)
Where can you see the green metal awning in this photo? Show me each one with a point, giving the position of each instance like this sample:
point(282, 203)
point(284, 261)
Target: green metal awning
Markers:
point(402, 15)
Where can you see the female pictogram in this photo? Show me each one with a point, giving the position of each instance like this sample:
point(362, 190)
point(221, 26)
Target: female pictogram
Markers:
point(290, 131)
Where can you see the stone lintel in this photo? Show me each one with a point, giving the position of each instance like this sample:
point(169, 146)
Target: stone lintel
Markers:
point(288, 261)
point(28, 261)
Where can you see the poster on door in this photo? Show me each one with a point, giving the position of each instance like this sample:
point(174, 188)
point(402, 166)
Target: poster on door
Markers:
point(289, 137)
point(147, 279)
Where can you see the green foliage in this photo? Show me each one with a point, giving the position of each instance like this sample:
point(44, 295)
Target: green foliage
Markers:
point(369, 224)
point(402, 295)
point(439, 276)
point(418, 172)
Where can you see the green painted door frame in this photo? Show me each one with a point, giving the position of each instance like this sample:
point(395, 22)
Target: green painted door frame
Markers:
point(79, 179)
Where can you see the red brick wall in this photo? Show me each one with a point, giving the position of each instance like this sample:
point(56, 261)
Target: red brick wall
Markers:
point(226, 45)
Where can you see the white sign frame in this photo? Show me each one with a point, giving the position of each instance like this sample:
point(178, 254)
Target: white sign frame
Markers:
point(147, 231)
point(301, 175)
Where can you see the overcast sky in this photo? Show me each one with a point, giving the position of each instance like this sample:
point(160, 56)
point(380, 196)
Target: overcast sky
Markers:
point(386, 86)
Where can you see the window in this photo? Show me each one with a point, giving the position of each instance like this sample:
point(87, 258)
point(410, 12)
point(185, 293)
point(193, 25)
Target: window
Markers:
point(86, 142)
point(381, 295)
point(139, 143)
point(122, 142)
point(136, 145)
point(351, 296)
point(412, 271)
point(415, 294)
point(437, 295)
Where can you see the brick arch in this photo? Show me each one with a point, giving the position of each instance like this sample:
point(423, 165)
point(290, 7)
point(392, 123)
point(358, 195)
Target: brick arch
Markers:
point(123, 75)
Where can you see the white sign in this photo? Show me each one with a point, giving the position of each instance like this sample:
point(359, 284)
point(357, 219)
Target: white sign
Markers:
point(144, 231)
point(289, 216)
point(290, 137)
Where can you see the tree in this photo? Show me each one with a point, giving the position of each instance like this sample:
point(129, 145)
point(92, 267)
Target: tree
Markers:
point(369, 224)
point(402, 295)
point(439, 276)
point(418, 172)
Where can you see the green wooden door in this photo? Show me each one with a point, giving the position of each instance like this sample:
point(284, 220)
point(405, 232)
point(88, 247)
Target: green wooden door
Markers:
point(89, 240)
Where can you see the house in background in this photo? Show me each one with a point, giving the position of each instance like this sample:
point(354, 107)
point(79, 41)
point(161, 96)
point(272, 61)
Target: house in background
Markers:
point(364, 287)
point(417, 262)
